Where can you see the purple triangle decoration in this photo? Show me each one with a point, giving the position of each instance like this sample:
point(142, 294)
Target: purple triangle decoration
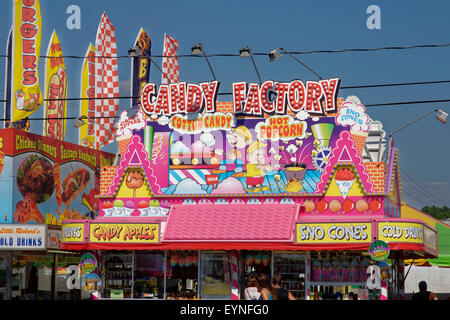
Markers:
point(345, 156)
point(135, 160)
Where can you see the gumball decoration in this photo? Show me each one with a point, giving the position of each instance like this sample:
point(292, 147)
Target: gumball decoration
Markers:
point(249, 259)
point(194, 260)
point(258, 258)
point(348, 205)
point(362, 205)
point(173, 260)
point(188, 261)
point(265, 259)
point(322, 205)
point(375, 205)
point(335, 205)
point(181, 260)
point(309, 205)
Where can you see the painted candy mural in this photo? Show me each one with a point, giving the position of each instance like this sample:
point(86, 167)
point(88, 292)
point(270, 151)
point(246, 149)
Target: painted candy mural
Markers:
point(274, 155)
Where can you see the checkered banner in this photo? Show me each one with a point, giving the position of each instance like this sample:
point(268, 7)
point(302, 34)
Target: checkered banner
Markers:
point(170, 68)
point(106, 82)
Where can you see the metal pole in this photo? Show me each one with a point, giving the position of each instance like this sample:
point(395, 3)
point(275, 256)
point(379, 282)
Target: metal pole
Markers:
point(256, 69)
point(298, 60)
point(209, 65)
point(402, 127)
point(410, 123)
point(151, 60)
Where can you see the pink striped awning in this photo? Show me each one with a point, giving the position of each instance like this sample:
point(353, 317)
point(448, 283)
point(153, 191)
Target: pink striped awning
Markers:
point(231, 223)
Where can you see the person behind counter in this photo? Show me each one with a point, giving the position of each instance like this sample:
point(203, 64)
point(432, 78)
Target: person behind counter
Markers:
point(281, 293)
point(265, 288)
point(423, 293)
point(251, 292)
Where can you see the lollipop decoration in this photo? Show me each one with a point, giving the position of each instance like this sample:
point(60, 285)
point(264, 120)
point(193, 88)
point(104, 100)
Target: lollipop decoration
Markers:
point(322, 205)
point(309, 205)
point(367, 208)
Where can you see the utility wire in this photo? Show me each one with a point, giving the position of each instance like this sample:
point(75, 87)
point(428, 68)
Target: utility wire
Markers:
point(366, 105)
point(342, 87)
point(421, 201)
point(421, 189)
point(264, 53)
point(394, 84)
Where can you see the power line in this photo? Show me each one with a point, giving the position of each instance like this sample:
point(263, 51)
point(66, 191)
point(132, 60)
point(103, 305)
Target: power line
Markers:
point(342, 87)
point(65, 118)
point(406, 102)
point(375, 49)
point(366, 105)
point(442, 45)
point(421, 189)
point(395, 84)
point(421, 201)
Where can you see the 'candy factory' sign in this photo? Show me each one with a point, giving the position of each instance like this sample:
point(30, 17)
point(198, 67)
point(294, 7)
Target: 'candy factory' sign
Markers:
point(315, 97)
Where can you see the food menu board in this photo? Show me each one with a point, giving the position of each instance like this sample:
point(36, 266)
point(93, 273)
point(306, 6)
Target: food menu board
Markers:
point(45, 180)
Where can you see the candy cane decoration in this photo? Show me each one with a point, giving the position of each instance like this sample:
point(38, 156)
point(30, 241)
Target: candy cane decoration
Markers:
point(384, 291)
point(234, 276)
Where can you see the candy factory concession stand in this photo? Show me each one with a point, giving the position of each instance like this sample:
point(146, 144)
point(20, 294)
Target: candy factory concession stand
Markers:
point(274, 185)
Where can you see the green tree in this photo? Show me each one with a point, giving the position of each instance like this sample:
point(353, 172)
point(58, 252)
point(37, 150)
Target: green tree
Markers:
point(437, 212)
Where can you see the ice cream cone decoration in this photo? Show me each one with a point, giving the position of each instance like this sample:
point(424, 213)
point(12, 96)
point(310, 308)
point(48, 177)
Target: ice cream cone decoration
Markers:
point(344, 180)
point(360, 139)
point(123, 142)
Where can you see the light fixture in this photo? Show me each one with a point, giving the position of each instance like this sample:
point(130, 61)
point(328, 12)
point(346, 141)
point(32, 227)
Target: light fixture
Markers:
point(276, 53)
point(247, 52)
point(442, 116)
point(79, 122)
point(199, 50)
point(136, 52)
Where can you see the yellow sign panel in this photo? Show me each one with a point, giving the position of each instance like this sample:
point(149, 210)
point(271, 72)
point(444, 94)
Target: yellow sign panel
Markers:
point(124, 233)
point(352, 232)
point(56, 88)
point(72, 232)
point(87, 93)
point(400, 232)
point(26, 93)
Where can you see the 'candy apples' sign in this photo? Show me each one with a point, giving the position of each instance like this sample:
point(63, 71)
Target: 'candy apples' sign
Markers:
point(315, 97)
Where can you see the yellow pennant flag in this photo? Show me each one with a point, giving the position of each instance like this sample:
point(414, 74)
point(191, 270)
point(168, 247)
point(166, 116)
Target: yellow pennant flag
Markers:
point(25, 91)
point(87, 91)
point(55, 88)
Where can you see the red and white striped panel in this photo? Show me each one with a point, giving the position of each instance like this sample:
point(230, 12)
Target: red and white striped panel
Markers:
point(170, 66)
point(235, 295)
point(106, 82)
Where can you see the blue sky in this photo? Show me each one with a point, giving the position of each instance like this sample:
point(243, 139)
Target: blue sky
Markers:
point(226, 26)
